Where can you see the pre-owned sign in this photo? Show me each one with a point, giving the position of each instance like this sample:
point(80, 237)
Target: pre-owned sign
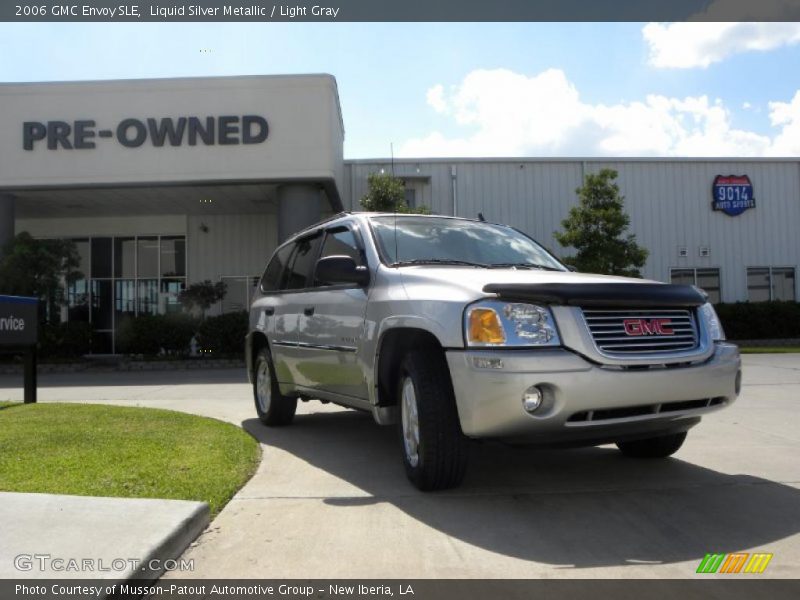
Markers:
point(134, 132)
point(733, 194)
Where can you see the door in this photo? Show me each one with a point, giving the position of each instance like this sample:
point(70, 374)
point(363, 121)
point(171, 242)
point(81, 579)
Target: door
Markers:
point(332, 323)
point(290, 354)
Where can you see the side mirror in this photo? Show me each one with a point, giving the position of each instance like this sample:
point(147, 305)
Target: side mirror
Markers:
point(340, 269)
point(572, 268)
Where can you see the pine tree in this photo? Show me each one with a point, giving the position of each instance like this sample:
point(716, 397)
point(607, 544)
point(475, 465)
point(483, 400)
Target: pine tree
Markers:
point(596, 228)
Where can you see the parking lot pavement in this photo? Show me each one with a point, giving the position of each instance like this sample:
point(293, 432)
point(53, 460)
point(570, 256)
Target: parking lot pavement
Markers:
point(330, 498)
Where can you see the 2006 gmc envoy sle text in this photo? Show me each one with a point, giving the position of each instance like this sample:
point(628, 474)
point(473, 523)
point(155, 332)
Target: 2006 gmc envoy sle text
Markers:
point(454, 329)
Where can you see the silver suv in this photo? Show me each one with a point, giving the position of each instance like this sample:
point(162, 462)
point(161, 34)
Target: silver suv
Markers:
point(455, 329)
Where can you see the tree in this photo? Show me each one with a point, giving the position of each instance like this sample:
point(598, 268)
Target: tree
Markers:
point(387, 194)
point(202, 295)
point(595, 229)
point(39, 268)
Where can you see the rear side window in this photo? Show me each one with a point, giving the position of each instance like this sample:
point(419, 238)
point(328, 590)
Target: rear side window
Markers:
point(271, 280)
point(303, 259)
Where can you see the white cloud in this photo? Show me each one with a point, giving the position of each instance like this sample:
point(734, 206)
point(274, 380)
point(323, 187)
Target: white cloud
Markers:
point(690, 45)
point(786, 115)
point(503, 113)
point(435, 98)
point(746, 105)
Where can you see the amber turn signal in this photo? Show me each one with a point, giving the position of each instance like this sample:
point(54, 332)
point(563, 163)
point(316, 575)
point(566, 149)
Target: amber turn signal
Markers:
point(485, 327)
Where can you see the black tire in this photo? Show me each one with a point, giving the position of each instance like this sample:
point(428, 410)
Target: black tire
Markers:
point(273, 409)
point(656, 447)
point(440, 460)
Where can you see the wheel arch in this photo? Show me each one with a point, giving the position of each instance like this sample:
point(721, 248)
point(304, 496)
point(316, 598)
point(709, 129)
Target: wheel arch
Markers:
point(393, 346)
point(254, 342)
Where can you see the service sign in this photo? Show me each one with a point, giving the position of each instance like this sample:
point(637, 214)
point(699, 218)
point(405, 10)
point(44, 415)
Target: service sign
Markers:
point(733, 194)
point(19, 317)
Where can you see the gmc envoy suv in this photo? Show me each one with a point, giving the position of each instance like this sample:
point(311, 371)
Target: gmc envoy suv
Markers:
point(454, 328)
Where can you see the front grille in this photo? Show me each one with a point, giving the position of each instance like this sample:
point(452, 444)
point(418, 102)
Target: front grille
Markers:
point(628, 331)
point(608, 414)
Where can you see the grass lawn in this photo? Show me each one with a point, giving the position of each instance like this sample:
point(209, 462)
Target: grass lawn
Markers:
point(769, 349)
point(96, 450)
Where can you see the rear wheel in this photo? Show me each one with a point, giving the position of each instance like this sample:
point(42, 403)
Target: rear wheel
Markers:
point(272, 408)
point(656, 447)
point(434, 448)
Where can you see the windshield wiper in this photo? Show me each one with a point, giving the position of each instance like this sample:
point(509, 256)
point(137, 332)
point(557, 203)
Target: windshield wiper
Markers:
point(522, 265)
point(436, 261)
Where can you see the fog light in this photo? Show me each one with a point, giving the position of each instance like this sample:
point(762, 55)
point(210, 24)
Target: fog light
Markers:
point(532, 399)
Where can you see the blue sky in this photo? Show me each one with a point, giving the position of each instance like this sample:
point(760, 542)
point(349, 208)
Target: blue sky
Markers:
point(505, 89)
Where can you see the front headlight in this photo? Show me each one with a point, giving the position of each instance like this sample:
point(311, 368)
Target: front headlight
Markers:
point(712, 322)
point(509, 324)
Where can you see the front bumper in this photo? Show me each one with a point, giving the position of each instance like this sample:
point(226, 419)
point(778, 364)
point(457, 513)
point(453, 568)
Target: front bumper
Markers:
point(587, 403)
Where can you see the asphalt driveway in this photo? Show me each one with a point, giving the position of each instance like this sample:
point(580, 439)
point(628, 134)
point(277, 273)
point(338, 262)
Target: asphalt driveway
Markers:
point(331, 500)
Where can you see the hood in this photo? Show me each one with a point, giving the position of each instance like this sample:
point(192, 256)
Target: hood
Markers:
point(471, 280)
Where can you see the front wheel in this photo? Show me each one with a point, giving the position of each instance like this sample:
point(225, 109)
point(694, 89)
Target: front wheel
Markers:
point(655, 447)
point(434, 448)
point(272, 407)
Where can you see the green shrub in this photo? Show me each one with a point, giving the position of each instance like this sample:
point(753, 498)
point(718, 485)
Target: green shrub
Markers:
point(65, 340)
point(760, 320)
point(223, 334)
point(149, 334)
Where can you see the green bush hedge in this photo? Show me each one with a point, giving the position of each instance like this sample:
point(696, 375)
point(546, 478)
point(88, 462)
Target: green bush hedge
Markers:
point(151, 333)
point(223, 334)
point(760, 320)
point(65, 340)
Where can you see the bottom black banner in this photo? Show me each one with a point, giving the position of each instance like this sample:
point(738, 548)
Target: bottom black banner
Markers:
point(408, 589)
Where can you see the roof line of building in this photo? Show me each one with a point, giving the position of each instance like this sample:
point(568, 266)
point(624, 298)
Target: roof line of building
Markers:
point(591, 159)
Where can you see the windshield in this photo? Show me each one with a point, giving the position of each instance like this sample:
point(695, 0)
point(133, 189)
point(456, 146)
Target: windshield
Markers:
point(432, 240)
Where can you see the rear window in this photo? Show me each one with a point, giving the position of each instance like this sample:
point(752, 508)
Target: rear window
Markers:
point(302, 261)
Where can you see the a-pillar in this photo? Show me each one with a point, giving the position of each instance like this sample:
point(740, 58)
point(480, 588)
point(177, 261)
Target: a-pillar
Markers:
point(299, 205)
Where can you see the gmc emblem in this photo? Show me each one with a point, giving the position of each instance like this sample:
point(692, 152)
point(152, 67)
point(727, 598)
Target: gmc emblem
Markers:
point(648, 327)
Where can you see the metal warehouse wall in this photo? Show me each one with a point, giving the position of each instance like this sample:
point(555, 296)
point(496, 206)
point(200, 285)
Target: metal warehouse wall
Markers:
point(669, 202)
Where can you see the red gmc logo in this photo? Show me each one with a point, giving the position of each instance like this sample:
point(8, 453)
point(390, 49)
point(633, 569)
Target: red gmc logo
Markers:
point(648, 327)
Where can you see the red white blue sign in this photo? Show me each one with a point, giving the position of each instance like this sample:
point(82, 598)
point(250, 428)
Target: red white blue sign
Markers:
point(733, 194)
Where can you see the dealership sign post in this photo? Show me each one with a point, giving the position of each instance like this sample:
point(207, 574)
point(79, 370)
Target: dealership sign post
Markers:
point(19, 317)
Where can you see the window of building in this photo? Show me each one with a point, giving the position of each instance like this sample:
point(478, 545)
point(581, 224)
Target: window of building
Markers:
point(410, 197)
point(706, 279)
point(770, 283)
point(125, 277)
point(239, 293)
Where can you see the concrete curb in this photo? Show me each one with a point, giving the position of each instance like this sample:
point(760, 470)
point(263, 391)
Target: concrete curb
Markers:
point(174, 544)
point(126, 539)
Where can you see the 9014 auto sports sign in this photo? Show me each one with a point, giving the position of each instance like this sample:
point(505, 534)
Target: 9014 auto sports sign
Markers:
point(733, 194)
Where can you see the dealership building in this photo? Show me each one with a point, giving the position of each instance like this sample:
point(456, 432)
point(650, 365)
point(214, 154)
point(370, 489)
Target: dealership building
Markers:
point(163, 183)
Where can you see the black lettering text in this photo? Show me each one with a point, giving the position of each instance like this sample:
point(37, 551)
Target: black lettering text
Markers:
point(58, 133)
point(140, 133)
point(249, 122)
point(83, 131)
point(166, 129)
point(32, 131)
point(206, 133)
point(228, 130)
